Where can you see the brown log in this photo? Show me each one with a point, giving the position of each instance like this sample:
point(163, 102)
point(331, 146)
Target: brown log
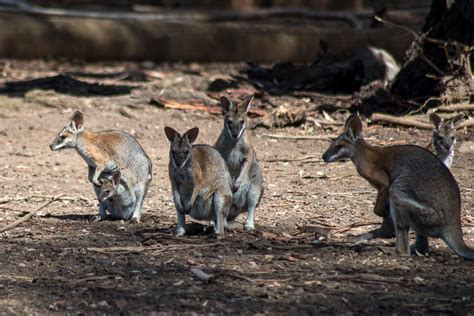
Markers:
point(405, 121)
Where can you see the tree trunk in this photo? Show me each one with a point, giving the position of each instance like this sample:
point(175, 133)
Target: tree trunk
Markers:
point(439, 70)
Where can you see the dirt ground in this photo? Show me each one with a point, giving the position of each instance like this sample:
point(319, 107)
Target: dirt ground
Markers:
point(299, 260)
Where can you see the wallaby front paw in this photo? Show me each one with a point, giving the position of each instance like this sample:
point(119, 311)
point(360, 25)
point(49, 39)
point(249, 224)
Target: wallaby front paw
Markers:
point(135, 220)
point(249, 227)
point(180, 231)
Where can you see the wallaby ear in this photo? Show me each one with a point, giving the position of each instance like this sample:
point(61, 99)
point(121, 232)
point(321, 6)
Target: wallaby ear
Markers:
point(436, 120)
point(192, 134)
point(171, 134)
point(77, 120)
point(353, 125)
point(116, 178)
point(245, 105)
point(457, 119)
point(226, 104)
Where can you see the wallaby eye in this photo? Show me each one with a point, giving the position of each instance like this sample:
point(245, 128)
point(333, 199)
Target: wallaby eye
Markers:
point(229, 122)
point(62, 137)
point(241, 121)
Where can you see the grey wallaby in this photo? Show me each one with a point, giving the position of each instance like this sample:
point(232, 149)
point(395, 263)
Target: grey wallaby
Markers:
point(235, 146)
point(442, 144)
point(200, 181)
point(106, 152)
point(420, 189)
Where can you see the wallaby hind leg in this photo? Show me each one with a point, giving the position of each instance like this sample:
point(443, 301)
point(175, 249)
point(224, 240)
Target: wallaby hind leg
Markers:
point(402, 228)
point(221, 205)
point(139, 196)
point(253, 198)
point(421, 246)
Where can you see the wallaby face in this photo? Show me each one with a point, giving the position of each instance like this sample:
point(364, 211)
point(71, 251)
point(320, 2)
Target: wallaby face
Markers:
point(109, 188)
point(181, 146)
point(67, 137)
point(235, 116)
point(444, 133)
point(342, 148)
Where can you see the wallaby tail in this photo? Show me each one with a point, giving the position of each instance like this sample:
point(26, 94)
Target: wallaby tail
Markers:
point(457, 244)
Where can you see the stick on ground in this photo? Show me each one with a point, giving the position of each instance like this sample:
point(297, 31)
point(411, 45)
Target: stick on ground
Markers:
point(29, 215)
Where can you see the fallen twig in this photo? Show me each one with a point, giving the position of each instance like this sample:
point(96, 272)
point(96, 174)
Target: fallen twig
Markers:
point(456, 107)
point(172, 104)
point(118, 250)
point(405, 121)
point(304, 158)
point(201, 275)
point(27, 198)
point(468, 123)
point(303, 137)
point(29, 215)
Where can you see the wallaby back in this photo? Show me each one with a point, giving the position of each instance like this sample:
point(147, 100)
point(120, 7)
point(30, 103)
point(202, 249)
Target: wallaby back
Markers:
point(235, 146)
point(420, 189)
point(200, 180)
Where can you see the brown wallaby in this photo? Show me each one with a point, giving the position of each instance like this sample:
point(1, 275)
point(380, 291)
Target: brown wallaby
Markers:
point(442, 144)
point(444, 136)
point(420, 189)
point(200, 181)
point(105, 152)
point(116, 197)
point(235, 146)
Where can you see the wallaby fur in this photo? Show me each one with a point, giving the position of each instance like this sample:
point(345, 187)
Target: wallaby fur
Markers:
point(420, 189)
point(105, 152)
point(442, 144)
point(116, 197)
point(200, 181)
point(235, 146)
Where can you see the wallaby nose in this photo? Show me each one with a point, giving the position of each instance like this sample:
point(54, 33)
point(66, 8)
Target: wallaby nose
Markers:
point(51, 146)
point(325, 157)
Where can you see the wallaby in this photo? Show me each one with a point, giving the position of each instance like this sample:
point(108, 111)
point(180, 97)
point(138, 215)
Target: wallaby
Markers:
point(200, 181)
point(236, 148)
point(420, 189)
point(444, 136)
point(105, 152)
point(116, 197)
point(442, 143)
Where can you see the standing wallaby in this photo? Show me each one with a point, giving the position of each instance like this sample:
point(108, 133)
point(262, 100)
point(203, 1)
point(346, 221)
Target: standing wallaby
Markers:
point(442, 143)
point(116, 197)
point(444, 136)
point(105, 152)
point(420, 189)
point(236, 148)
point(200, 181)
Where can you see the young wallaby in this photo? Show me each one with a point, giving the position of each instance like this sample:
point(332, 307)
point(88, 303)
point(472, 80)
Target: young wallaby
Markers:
point(442, 144)
point(116, 197)
point(444, 136)
point(420, 189)
point(105, 152)
point(236, 148)
point(200, 181)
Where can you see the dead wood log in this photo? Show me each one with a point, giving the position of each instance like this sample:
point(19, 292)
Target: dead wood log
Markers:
point(172, 104)
point(405, 121)
point(303, 137)
point(456, 107)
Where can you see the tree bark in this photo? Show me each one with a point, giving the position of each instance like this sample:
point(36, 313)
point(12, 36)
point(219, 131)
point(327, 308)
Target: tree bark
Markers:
point(436, 69)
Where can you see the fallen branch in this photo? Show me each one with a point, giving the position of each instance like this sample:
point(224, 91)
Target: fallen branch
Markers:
point(456, 107)
point(27, 198)
point(405, 121)
point(305, 137)
point(118, 250)
point(201, 275)
point(172, 104)
point(29, 215)
point(304, 158)
point(468, 123)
